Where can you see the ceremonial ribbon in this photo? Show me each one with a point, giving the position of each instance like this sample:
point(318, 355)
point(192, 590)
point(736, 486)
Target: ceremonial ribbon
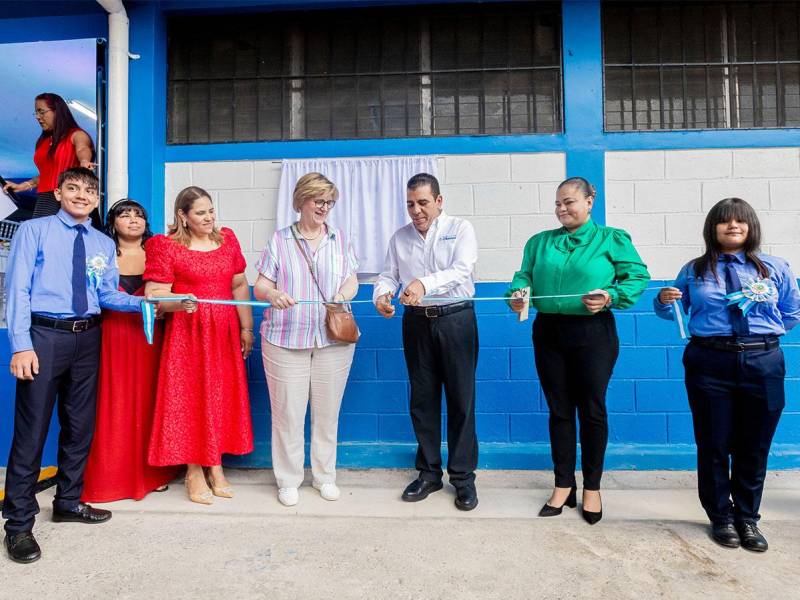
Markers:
point(148, 307)
point(679, 318)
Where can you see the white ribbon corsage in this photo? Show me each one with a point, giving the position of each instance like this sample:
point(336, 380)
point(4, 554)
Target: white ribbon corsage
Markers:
point(95, 268)
point(757, 290)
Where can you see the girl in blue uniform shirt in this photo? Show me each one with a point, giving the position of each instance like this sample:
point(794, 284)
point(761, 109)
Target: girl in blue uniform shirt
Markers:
point(739, 303)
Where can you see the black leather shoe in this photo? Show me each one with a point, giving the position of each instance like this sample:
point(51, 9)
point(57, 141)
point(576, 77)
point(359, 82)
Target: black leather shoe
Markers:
point(466, 497)
point(752, 539)
point(725, 535)
point(82, 513)
point(592, 517)
point(419, 489)
point(22, 547)
point(554, 511)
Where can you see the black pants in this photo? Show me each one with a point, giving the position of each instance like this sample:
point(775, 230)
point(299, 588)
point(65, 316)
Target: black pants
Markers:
point(443, 351)
point(68, 366)
point(736, 401)
point(46, 205)
point(575, 356)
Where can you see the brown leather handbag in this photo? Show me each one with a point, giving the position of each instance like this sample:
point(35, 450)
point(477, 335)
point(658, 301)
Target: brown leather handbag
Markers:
point(339, 321)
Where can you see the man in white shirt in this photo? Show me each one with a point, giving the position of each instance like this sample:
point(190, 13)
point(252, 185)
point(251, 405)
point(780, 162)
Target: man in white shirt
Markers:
point(433, 259)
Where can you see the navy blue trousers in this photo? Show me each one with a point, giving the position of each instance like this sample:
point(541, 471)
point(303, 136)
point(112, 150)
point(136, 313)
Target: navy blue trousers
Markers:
point(736, 401)
point(68, 366)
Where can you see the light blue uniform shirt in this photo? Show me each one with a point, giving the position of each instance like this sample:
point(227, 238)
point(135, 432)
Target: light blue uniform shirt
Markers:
point(704, 299)
point(39, 276)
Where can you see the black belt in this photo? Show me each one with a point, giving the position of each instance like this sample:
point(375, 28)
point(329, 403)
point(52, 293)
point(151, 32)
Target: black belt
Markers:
point(730, 344)
point(439, 310)
point(73, 325)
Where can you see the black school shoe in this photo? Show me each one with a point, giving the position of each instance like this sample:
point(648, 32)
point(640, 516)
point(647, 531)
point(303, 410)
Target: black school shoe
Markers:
point(725, 535)
point(752, 539)
point(22, 547)
point(81, 513)
point(419, 489)
point(466, 497)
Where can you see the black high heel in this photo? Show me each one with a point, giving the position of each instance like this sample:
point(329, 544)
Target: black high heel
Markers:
point(592, 517)
point(554, 511)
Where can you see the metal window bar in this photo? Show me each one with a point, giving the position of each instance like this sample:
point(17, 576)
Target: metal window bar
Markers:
point(729, 67)
point(758, 118)
point(298, 84)
point(780, 107)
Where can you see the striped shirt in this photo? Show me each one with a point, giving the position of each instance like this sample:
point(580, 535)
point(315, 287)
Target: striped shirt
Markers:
point(303, 325)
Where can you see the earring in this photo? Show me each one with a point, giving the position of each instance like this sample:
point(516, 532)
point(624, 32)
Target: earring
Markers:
point(184, 224)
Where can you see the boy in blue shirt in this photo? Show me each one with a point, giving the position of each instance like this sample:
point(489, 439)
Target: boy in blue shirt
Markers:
point(61, 272)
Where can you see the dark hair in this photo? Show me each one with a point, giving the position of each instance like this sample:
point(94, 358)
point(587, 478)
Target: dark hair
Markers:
point(583, 185)
point(62, 124)
point(724, 211)
point(122, 206)
point(81, 174)
point(421, 179)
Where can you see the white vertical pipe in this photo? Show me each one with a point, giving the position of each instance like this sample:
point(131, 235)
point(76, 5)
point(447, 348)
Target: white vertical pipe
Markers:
point(117, 132)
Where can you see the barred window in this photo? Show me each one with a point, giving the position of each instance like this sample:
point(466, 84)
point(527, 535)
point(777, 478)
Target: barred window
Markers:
point(701, 65)
point(366, 73)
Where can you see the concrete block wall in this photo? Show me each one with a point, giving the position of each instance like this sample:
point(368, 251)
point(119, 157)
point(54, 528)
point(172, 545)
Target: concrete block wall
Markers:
point(507, 197)
point(661, 198)
point(650, 424)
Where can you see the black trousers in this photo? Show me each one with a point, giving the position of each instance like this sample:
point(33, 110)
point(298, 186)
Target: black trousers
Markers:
point(736, 401)
point(443, 351)
point(575, 356)
point(68, 366)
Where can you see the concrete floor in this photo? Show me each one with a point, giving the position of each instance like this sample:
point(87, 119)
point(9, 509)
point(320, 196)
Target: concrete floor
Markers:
point(652, 543)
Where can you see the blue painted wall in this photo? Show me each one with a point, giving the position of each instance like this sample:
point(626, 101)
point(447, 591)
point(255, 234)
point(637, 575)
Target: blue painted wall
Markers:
point(650, 426)
point(649, 419)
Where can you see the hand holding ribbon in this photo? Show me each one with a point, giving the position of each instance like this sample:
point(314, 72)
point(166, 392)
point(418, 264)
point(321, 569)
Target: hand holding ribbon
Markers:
point(596, 300)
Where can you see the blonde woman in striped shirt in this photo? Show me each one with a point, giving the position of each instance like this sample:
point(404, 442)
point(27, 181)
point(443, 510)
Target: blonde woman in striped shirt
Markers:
point(301, 363)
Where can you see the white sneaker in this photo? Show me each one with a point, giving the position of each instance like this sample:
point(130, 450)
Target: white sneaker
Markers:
point(288, 496)
point(328, 491)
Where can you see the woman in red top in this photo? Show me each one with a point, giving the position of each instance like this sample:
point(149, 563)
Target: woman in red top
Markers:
point(117, 467)
point(61, 146)
point(202, 404)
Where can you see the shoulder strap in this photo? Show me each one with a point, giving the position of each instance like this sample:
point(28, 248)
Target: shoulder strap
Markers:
point(308, 262)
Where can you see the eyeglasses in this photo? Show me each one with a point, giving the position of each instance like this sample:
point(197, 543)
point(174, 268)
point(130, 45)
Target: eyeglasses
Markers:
point(326, 203)
point(41, 113)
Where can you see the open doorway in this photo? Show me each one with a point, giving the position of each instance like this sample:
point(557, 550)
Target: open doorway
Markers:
point(72, 69)
point(75, 71)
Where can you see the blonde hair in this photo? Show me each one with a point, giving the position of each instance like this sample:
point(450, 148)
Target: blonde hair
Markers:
point(313, 185)
point(183, 203)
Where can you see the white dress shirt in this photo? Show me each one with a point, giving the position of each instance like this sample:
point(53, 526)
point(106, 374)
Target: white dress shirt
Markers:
point(444, 260)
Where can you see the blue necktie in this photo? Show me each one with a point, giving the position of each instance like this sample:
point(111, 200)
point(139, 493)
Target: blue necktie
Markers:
point(80, 304)
point(732, 284)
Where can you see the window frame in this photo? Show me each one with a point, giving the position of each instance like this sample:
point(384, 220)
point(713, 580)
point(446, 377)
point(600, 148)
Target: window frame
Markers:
point(727, 64)
point(289, 132)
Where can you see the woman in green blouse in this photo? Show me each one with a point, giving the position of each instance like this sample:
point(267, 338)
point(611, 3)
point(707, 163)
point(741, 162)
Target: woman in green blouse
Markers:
point(575, 339)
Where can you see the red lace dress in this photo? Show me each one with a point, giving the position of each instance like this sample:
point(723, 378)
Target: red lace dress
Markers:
point(117, 467)
point(202, 406)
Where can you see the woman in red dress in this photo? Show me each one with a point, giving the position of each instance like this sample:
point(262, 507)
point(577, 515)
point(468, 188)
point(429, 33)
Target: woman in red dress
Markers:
point(61, 146)
point(117, 467)
point(202, 406)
